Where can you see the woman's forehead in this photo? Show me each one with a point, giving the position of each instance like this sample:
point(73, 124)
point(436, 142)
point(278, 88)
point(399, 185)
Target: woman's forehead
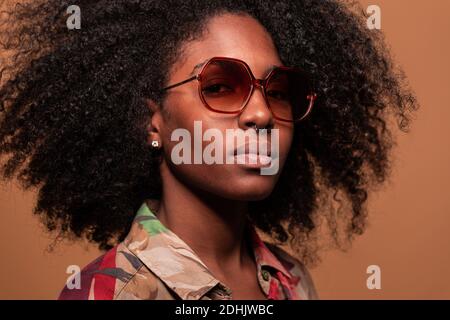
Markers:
point(230, 35)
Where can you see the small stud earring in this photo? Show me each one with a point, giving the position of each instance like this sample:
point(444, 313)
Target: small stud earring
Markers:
point(155, 143)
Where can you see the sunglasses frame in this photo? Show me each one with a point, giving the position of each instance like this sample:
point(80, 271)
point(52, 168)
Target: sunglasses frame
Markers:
point(312, 96)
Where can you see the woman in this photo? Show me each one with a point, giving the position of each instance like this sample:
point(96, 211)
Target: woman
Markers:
point(90, 117)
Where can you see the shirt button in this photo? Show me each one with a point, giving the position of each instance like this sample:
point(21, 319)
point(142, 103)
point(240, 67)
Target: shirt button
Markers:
point(265, 275)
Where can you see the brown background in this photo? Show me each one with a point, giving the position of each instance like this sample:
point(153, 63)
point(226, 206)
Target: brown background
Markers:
point(409, 232)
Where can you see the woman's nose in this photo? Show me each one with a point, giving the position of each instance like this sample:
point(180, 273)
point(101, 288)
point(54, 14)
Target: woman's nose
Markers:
point(256, 111)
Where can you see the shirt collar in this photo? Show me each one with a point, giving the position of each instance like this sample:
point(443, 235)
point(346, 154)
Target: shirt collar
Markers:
point(263, 256)
point(175, 263)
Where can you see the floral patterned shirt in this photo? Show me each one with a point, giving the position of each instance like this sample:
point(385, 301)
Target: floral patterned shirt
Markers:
point(154, 263)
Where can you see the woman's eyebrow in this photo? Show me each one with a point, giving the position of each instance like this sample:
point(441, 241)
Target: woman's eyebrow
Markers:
point(202, 63)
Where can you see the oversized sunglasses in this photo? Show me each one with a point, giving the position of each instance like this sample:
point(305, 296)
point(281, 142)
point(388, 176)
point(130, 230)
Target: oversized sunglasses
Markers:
point(225, 85)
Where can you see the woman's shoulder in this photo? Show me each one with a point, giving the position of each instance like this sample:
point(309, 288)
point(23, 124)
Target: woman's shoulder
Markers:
point(111, 276)
point(296, 268)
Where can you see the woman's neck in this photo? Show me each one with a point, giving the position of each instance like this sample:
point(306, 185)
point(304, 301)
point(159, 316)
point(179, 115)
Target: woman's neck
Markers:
point(213, 227)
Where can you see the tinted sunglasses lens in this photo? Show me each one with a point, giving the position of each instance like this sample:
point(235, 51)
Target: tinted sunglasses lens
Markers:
point(287, 93)
point(225, 85)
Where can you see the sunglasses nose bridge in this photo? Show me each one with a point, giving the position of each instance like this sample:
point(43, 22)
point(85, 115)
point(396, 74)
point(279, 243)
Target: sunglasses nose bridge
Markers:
point(259, 83)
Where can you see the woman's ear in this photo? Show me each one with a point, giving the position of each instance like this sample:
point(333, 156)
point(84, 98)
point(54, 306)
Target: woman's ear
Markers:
point(153, 127)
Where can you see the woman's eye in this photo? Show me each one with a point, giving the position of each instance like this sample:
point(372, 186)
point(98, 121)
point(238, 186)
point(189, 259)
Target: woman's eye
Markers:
point(216, 88)
point(276, 94)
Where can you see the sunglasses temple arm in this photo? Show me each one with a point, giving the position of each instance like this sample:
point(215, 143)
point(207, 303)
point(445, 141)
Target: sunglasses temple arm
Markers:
point(179, 83)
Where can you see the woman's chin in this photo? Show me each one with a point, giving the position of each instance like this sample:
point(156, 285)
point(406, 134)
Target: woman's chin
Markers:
point(254, 193)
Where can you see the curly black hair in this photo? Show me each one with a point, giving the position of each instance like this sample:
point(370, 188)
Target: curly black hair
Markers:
point(74, 115)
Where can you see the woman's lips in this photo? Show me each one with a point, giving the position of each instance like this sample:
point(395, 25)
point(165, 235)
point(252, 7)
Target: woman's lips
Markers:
point(245, 149)
point(252, 157)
